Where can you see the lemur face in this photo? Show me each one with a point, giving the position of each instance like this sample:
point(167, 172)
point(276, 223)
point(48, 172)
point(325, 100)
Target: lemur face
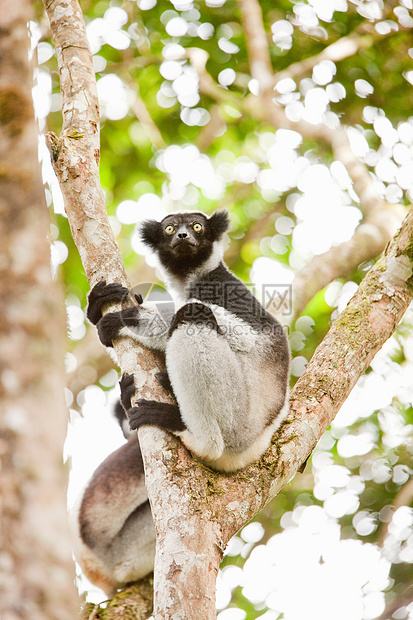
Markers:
point(184, 233)
point(184, 241)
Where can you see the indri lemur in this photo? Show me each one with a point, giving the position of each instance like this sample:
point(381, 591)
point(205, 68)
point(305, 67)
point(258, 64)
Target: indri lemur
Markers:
point(227, 364)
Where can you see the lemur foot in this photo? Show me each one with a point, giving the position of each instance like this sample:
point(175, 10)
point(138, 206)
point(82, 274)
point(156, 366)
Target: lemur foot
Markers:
point(151, 412)
point(127, 390)
point(164, 381)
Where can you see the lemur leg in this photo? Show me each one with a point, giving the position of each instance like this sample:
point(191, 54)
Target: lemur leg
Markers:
point(150, 412)
point(112, 523)
point(215, 401)
point(112, 323)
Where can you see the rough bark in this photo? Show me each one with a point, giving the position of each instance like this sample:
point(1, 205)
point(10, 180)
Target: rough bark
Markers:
point(196, 510)
point(36, 571)
point(258, 52)
point(218, 505)
point(76, 153)
point(134, 603)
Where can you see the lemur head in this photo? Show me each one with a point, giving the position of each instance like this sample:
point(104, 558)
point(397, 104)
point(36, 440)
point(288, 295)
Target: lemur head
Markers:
point(185, 241)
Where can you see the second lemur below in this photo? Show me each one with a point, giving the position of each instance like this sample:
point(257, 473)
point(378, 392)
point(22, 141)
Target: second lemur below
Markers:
point(227, 362)
point(227, 358)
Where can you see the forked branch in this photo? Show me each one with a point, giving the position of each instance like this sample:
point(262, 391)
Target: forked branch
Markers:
point(196, 511)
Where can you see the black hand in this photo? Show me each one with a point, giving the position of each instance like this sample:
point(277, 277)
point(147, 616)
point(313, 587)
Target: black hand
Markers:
point(102, 294)
point(111, 324)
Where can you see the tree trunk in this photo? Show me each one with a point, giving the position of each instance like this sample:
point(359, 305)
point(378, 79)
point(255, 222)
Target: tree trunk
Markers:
point(187, 499)
point(36, 570)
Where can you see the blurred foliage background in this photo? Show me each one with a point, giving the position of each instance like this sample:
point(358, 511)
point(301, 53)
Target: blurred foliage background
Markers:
point(296, 116)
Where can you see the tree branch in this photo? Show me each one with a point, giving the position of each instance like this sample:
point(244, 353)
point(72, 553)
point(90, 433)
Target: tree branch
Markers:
point(363, 37)
point(380, 221)
point(403, 498)
point(264, 109)
point(258, 52)
point(75, 155)
point(403, 599)
point(209, 132)
point(361, 329)
point(261, 69)
point(75, 158)
point(342, 260)
point(36, 570)
point(142, 114)
point(339, 50)
point(187, 490)
point(196, 510)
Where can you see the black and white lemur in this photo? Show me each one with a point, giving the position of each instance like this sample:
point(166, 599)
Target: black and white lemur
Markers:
point(227, 363)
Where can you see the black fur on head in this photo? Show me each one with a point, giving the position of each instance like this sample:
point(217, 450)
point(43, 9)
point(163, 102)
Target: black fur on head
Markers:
point(218, 224)
point(151, 233)
point(184, 241)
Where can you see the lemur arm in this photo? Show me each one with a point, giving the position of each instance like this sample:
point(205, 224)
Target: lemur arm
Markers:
point(145, 323)
point(103, 294)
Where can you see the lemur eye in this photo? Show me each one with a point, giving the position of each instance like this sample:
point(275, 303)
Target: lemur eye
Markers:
point(169, 229)
point(197, 227)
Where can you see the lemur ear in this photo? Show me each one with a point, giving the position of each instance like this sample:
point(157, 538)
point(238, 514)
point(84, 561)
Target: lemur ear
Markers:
point(151, 233)
point(218, 224)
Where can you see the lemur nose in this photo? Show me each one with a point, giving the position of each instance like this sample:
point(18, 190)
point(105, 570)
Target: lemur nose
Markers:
point(182, 235)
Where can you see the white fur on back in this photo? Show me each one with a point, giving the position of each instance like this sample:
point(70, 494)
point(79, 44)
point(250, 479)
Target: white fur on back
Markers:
point(231, 395)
